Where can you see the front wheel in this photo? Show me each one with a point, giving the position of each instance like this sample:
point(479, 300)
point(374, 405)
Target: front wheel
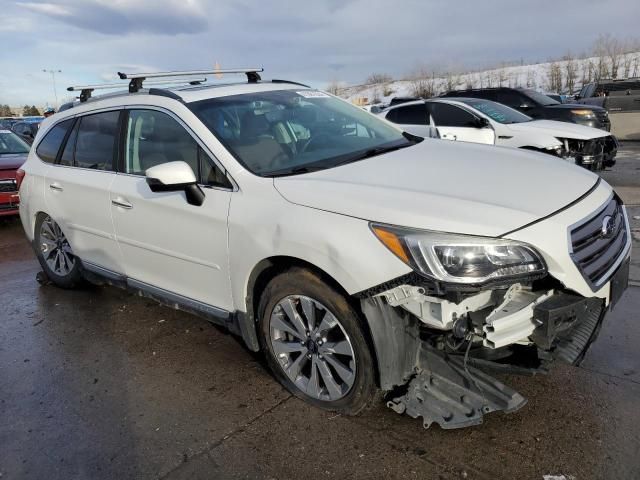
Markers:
point(54, 253)
point(314, 343)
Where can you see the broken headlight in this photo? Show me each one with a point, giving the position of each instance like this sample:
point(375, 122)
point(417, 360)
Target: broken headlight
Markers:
point(460, 258)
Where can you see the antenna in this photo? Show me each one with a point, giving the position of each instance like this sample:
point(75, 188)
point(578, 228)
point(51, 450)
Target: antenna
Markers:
point(136, 79)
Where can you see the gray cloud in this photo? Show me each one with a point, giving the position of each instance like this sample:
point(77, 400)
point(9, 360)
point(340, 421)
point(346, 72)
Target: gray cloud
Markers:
point(121, 17)
point(313, 42)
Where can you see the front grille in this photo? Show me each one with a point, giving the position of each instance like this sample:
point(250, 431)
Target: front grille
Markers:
point(603, 118)
point(8, 186)
point(599, 243)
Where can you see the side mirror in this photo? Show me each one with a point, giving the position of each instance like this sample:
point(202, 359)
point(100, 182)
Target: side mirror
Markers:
point(175, 177)
point(482, 123)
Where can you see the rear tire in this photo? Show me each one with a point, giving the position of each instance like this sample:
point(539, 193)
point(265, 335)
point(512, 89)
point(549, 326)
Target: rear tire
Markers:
point(314, 343)
point(54, 253)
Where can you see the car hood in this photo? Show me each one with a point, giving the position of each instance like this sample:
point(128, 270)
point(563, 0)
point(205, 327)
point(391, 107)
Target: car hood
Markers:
point(574, 106)
point(558, 129)
point(444, 186)
point(12, 161)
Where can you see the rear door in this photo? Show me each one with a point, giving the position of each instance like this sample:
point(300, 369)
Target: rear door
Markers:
point(456, 123)
point(77, 188)
point(167, 243)
point(411, 118)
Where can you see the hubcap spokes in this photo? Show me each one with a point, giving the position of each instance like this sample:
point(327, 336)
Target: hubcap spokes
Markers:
point(55, 248)
point(312, 348)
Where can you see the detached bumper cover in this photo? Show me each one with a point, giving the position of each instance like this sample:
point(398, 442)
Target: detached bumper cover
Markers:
point(452, 394)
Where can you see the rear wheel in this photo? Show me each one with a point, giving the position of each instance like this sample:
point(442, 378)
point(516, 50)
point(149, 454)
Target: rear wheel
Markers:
point(314, 343)
point(54, 253)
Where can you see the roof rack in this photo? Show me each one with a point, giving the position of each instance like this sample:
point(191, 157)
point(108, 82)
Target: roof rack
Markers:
point(136, 79)
point(86, 90)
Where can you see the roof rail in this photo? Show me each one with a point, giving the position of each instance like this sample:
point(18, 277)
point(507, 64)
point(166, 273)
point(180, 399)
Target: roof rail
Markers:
point(86, 90)
point(136, 79)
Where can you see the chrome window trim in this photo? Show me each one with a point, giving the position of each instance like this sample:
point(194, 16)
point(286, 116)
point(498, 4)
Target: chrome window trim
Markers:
point(34, 147)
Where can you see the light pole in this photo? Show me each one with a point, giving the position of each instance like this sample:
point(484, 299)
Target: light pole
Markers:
point(53, 79)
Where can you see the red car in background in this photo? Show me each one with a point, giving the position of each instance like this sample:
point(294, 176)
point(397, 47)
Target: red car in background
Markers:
point(13, 153)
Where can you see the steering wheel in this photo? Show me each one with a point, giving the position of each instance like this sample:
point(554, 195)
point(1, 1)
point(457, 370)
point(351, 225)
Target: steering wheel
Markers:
point(313, 139)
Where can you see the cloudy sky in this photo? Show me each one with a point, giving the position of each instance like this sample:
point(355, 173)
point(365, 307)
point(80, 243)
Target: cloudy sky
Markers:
point(310, 41)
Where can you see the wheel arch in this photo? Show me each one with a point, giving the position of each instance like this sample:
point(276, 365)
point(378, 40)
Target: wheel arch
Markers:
point(267, 269)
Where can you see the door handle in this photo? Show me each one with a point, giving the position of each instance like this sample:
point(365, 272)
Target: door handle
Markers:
point(56, 186)
point(122, 203)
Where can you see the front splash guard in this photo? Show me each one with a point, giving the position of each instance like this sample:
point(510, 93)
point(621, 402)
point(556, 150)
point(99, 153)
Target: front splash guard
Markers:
point(443, 391)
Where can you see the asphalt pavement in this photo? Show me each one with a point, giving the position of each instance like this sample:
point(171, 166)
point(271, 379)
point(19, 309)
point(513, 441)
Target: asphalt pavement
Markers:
point(101, 384)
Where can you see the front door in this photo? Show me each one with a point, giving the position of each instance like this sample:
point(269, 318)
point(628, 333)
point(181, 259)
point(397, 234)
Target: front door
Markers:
point(166, 242)
point(456, 123)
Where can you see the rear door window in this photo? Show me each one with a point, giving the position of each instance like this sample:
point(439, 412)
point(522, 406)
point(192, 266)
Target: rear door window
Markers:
point(96, 142)
point(49, 146)
point(411, 115)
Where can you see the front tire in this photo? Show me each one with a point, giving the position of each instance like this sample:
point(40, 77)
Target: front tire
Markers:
point(54, 253)
point(314, 343)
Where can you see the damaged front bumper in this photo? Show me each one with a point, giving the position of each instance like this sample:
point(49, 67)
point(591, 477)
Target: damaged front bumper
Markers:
point(435, 354)
point(594, 154)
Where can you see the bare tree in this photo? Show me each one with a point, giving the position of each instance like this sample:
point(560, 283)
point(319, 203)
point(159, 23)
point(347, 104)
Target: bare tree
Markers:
point(600, 52)
point(554, 77)
point(334, 88)
point(423, 84)
point(502, 77)
point(614, 50)
point(377, 78)
point(531, 78)
point(570, 72)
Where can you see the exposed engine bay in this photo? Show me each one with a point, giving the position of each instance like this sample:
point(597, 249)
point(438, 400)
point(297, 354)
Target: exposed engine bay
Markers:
point(437, 352)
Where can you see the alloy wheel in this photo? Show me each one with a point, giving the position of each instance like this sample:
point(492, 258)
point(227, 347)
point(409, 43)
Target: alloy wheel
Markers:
point(312, 348)
point(55, 248)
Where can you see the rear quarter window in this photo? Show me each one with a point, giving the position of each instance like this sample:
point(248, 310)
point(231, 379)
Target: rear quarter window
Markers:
point(49, 146)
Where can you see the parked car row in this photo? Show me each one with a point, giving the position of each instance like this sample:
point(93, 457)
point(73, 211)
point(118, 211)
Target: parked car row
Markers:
point(13, 153)
point(356, 256)
point(483, 121)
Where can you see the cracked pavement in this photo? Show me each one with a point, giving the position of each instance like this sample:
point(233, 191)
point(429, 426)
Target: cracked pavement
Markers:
point(98, 383)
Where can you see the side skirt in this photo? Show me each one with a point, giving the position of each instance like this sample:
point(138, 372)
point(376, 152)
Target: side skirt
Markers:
point(99, 275)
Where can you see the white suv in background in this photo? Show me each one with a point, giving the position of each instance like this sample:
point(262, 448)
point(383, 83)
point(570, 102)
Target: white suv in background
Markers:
point(357, 257)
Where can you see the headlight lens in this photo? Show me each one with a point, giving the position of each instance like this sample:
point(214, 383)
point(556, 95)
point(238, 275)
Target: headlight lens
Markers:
point(459, 258)
point(583, 113)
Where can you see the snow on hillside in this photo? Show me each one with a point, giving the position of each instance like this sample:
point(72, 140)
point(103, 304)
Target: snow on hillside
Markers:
point(563, 76)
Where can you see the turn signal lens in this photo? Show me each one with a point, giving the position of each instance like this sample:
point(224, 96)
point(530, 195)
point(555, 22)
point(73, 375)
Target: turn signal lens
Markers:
point(392, 242)
point(19, 177)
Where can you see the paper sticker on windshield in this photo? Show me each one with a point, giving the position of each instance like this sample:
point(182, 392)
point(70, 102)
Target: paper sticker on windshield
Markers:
point(313, 94)
point(5, 131)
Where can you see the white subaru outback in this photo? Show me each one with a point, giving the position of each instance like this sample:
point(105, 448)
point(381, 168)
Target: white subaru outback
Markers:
point(358, 258)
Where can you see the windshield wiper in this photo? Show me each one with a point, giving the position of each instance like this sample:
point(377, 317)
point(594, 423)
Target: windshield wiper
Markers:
point(294, 171)
point(372, 152)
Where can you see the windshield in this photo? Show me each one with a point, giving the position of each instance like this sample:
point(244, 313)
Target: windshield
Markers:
point(496, 111)
point(10, 143)
point(286, 132)
point(540, 98)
